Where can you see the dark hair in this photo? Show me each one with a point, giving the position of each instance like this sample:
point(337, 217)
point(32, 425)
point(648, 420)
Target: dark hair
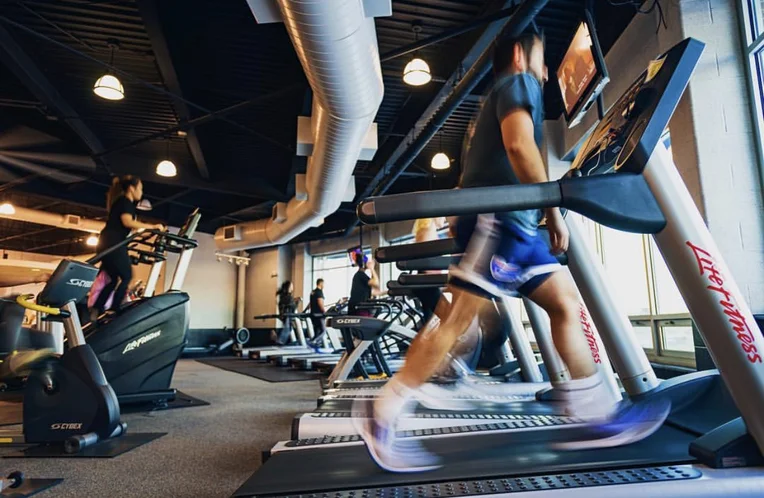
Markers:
point(358, 257)
point(284, 289)
point(503, 49)
point(319, 281)
point(119, 185)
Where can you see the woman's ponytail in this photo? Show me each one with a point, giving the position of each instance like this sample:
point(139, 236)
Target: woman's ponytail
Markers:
point(119, 185)
point(114, 191)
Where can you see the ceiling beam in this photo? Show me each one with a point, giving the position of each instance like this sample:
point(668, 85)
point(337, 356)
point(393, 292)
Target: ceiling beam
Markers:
point(148, 10)
point(17, 60)
point(473, 55)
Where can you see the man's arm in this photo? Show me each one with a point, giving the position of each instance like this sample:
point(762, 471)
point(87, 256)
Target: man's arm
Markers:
point(517, 133)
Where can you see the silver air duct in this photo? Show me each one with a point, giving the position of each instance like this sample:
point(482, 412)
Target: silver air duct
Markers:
point(337, 46)
point(68, 221)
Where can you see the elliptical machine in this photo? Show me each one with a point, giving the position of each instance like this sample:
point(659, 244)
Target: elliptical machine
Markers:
point(67, 400)
point(139, 345)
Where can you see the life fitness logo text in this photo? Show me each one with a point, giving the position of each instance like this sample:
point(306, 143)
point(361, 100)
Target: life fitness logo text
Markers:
point(141, 341)
point(707, 267)
point(78, 282)
point(65, 427)
point(347, 321)
point(589, 333)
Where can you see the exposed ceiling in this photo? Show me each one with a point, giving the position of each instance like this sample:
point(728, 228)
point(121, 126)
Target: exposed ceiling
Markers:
point(182, 61)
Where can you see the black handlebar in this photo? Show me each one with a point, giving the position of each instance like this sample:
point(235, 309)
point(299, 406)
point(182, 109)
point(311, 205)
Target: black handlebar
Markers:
point(159, 241)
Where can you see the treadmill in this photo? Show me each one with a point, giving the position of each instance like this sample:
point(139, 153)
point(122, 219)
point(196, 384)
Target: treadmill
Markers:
point(624, 178)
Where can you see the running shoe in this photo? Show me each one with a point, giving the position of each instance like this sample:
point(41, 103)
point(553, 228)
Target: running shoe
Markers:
point(385, 448)
point(630, 424)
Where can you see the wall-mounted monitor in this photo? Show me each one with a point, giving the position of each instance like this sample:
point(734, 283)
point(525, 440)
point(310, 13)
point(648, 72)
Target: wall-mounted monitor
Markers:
point(582, 73)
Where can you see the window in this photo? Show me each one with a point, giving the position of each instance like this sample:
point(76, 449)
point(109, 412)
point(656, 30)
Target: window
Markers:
point(337, 273)
point(394, 272)
point(752, 28)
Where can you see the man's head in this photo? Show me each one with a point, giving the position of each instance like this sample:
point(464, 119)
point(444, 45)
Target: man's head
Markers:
point(320, 283)
point(521, 54)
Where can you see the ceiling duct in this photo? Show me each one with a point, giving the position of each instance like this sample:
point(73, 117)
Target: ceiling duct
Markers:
point(67, 221)
point(337, 47)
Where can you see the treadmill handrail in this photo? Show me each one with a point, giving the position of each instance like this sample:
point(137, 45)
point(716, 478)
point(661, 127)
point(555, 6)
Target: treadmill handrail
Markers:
point(417, 250)
point(459, 202)
point(429, 264)
point(428, 279)
point(620, 200)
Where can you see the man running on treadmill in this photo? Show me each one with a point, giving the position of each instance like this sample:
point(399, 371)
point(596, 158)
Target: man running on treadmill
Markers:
point(506, 256)
point(317, 311)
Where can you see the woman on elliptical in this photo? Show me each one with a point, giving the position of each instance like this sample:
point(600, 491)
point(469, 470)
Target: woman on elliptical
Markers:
point(121, 200)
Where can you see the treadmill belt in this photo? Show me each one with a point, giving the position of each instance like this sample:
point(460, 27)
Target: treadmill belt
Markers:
point(330, 469)
point(262, 371)
point(551, 482)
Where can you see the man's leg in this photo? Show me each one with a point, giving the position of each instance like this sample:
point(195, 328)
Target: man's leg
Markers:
point(557, 295)
point(426, 355)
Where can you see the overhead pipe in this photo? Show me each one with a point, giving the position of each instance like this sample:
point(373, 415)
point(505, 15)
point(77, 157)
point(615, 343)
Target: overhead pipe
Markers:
point(336, 44)
point(67, 221)
point(515, 25)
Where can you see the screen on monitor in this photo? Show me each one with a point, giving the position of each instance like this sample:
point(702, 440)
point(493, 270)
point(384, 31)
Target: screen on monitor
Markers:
point(577, 69)
point(582, 74)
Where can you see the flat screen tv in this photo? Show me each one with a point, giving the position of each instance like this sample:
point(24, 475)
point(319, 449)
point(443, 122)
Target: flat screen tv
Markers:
point(582, 74)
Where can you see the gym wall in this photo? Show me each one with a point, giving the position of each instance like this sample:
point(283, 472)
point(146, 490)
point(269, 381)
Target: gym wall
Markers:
point(211, 285)
point(712, 132)
point(262, 283)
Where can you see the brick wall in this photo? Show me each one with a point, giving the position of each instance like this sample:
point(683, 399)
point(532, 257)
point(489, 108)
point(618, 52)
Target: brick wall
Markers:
point(713, 135)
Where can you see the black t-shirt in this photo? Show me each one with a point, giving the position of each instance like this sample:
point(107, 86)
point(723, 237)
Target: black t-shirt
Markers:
point(115, 231)
point(287, 303)
point(314, 297)
point(360, 290)
point(486, 162)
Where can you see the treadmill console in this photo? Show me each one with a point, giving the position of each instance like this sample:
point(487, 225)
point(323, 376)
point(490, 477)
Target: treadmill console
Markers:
point(625, 138)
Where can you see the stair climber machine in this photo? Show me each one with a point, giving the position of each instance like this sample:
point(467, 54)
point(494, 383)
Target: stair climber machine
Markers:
point(68, 400)
point(139, 345)
point(711, 443)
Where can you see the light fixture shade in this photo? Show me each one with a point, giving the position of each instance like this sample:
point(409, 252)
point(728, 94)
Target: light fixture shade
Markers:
point(92, 241)
point(167, 169)
point(7, 208)
point(144, 205)
point(440, 161)
point(417, 73)
point(109, 87)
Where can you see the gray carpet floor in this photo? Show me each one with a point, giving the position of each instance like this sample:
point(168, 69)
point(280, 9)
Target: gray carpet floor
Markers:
point(209, 451)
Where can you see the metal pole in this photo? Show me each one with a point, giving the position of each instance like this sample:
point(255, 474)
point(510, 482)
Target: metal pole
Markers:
point(520, 342)
point(555, 367)
point(630, 360)
point(73, 326)
point(241, 289)
point(716, 304)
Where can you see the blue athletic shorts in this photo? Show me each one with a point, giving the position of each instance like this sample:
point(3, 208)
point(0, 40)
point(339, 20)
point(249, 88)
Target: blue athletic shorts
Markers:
point(501, 258)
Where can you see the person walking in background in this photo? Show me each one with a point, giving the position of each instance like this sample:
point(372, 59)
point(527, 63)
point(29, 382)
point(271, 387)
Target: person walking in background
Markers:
point(286, 305)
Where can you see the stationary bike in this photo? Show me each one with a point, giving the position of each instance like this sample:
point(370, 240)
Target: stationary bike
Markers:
point(67, 399)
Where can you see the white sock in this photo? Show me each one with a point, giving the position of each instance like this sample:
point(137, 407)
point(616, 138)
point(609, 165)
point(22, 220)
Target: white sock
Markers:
point(577, 388)
point(394, 396)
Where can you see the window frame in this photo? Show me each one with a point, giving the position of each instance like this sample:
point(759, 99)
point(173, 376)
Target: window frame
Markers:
point(750, 13)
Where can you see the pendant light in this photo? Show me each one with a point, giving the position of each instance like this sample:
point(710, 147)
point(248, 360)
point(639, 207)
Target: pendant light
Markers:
point(417, 71)
point(166, 167)
point(91, 241)
point(7, 209)
point(440, 161)
point(108, 86)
